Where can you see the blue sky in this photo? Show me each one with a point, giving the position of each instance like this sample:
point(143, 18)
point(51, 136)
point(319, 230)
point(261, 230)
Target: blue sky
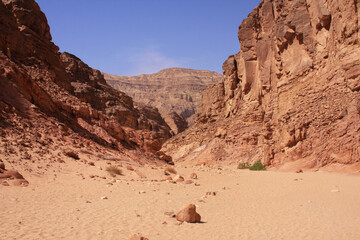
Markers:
point(132, 37)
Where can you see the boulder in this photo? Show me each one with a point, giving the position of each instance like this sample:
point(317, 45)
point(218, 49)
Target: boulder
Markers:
point(188, 214)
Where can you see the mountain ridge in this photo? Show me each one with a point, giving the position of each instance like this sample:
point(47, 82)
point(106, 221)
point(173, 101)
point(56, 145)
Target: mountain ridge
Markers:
point(176, 92)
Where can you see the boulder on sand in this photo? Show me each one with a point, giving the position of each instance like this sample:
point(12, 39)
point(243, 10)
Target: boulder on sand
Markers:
point(188, 214)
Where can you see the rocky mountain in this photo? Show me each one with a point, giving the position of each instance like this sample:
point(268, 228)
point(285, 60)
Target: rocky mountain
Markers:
point(176, 92)
point(52, 103)
point(290, 97)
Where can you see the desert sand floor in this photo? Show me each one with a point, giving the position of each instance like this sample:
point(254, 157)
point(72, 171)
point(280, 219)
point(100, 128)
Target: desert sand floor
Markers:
point(247, 205)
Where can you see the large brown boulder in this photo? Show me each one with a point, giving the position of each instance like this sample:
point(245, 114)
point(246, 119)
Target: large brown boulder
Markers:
point(188, 214)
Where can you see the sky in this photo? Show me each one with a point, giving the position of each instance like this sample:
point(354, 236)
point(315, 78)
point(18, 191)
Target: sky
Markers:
point(132, 37)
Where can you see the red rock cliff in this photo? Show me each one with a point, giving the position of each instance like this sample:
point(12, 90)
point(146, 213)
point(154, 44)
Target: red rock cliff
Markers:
point(290, 97)
point(55, 101)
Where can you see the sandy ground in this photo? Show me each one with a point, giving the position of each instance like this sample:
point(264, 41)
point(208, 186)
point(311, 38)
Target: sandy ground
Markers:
point(248, 205)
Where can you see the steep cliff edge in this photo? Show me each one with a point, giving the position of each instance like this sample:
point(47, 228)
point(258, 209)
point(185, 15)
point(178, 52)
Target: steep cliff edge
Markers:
point(176, 92)
point(290, 97)
point(52, 102)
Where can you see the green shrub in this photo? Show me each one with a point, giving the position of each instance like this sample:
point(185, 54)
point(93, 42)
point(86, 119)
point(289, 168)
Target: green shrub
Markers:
point(258, 166)
point(243, 166)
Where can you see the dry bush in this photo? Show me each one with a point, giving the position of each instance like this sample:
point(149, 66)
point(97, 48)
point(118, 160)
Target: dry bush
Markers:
point(113, 170)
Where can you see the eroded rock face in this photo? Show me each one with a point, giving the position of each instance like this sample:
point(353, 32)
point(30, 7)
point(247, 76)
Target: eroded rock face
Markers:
point(51, 101)
point(176, 92)
point(90, 87)
point(290, 97)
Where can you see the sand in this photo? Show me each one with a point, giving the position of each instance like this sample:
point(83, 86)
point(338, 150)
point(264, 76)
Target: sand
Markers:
point(247, 205)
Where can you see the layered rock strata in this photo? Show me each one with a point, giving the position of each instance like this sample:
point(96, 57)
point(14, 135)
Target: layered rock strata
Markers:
point(51, 101)
point(176, 92)
point(290, 97)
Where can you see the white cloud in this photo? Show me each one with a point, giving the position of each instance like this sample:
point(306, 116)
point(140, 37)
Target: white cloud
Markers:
point(151, 60)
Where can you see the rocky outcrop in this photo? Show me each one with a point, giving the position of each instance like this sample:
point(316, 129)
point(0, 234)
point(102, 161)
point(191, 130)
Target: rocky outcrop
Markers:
point(176, 92)
point(290, 97)
point(54, 101)
point(90, 87)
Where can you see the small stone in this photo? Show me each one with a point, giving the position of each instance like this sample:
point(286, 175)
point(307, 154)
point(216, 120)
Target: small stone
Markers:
point(188, 214)
point(103, 198)
point(188, 182)
point(138, 237)
point(211, 193)
point(5, 183)
point(91, 163)
point(130, 168)
point(72, 154)
point(170, 214)
point(179, 178)
point(168, 178)
point(335, 190)
point(2, 165)
point(193, 176)
point(299, 171)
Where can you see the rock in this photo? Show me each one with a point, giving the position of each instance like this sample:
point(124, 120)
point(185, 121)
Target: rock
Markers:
point(188, 182)
point(11, 174)
point(138, 237)
point(5, 183)
point(268, 106)
point(210, 193)
point(170, 214)
point(13, 177)
point(103, 197)
point(72, 154)
point(130, 168)
point(54, 99)
point(178, 178)
point(168, 178)
point(188, 214)
point(176, 92)
point(2, 165)
point(91, 163)
point(193, 176)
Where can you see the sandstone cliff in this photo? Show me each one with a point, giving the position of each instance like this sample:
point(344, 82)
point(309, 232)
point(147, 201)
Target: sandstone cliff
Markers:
point(176, 92)
point(50, 102)
point(290, 97)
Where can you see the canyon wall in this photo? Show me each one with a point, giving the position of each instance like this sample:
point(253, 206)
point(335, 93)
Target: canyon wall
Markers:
point(290, 97)
point(176, 92)
point(51, 101)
